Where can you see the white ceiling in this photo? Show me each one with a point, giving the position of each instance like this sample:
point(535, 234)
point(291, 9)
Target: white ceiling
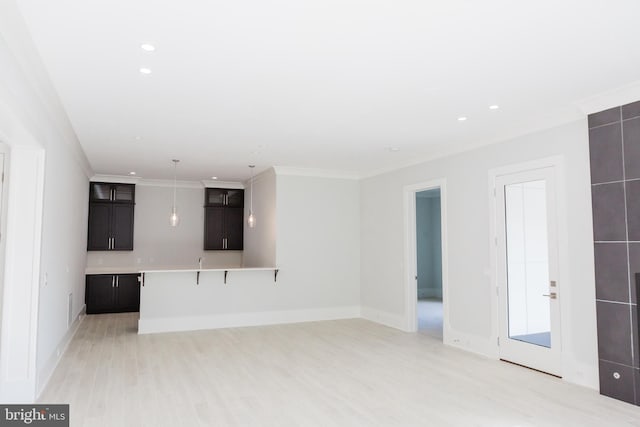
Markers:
point(328, 84)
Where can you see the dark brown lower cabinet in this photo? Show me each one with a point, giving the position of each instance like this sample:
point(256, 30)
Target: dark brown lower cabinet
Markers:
point(112, 293)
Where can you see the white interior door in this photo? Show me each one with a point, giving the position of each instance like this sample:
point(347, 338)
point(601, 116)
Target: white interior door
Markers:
point(527, 264)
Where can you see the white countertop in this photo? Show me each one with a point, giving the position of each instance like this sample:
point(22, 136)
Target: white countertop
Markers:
point(112, 270)
point(195, 270)
point(166, 269)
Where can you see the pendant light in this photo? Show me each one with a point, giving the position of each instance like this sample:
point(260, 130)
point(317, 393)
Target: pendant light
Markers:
point(252, 217)
point(174, 219)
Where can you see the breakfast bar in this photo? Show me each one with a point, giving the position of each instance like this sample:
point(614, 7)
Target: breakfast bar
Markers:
point(194, 299)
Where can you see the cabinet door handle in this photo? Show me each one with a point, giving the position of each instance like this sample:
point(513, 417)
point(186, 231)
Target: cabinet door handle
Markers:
point(117, 281)
point(113, 281)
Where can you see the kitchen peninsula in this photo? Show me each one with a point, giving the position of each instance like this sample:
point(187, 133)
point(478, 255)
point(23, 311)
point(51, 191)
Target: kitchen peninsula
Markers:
point(193, 299)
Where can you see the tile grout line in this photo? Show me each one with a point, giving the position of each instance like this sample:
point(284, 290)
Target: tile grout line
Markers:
point(615, 121)
point(626, 225)
point(594, 184)
point(614, 302)
point(618, 363)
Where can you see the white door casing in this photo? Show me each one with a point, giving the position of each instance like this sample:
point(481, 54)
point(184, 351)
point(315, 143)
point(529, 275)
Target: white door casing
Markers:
point(532, 294)
point(411, 268)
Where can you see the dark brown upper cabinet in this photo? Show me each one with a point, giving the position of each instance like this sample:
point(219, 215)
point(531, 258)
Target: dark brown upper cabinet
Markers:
point(111, 210)
point(224, 197)
point(111, 192)
point(223, 219)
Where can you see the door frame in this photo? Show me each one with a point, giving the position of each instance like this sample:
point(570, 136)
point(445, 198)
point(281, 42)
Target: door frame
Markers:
point(411, 254)
point(557, 163)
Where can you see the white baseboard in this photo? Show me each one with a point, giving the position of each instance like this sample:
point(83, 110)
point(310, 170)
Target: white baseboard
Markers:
point(234, 320)
point(384, 318)
point(45, 373)
point(486, 347)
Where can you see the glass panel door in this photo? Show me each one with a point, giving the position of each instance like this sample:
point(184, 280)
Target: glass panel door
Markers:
point(527, 262)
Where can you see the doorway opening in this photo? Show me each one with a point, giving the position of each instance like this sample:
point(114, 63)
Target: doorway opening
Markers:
point(427, 308)
point(429, 262)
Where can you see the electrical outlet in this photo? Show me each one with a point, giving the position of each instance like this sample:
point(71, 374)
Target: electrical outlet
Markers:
point(46, 278)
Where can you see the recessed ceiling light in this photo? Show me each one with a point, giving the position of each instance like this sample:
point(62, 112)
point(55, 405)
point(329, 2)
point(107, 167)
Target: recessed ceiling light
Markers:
point(462, 119)
point(148, 47)
point(138, 138)
point(393, 149)
point(145, 70)
point(214, 177)
point(493, 107)
point(132, 173)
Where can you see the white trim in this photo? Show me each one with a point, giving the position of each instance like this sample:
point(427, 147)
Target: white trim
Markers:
point(557, 163)
point(213, 183)
point(148, 182)
point(392, 320)
point(472, 343)
point(320, 173)
point(45, 373)
point(410, 251)
point(118, 179)
point(22, 275)
point(610, 99)
point(267, 173)
point(234, 320)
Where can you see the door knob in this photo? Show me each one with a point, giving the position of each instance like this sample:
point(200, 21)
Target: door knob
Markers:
point(552, 295)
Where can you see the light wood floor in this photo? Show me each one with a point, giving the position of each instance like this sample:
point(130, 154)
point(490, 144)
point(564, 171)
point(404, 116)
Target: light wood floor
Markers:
point(430, 317)
point(337, 373)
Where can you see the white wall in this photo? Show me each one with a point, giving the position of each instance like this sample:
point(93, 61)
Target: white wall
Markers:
point(318, 239)
point(158, 245)
point(260, 241)
point(317, 223)
point(470, 291)
point(47, 199)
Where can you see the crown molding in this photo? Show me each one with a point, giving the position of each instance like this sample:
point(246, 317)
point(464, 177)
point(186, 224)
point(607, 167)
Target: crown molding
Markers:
point(169, 183)
point(118, 179)
point(320, 173)
point(610, 99)
point(124, 179)
point(213, 183)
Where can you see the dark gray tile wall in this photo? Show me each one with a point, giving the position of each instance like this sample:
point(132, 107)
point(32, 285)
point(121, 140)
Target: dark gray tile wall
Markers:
point(614, 146)
point(617, 381)
point(609, 222)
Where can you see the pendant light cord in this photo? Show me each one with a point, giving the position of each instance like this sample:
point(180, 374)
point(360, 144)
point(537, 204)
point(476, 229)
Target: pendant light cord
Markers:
point(251, 200)
point(175, 182)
